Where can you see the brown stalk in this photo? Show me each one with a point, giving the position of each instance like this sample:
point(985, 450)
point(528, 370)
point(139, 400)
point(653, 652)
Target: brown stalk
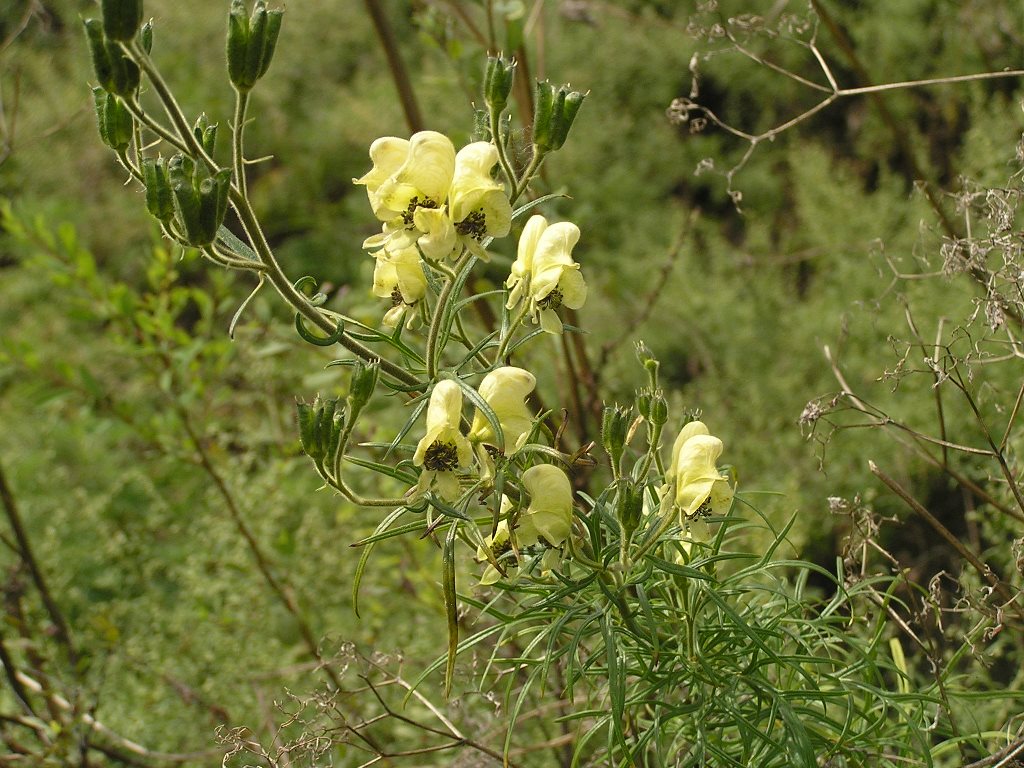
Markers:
point(399, 73)
point(63, 633)
point(983, 569)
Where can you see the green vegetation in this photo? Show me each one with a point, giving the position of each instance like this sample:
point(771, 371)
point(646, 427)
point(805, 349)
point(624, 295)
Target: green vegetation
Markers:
point(839, 298)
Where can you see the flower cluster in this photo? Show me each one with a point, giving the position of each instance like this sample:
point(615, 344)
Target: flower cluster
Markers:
point(436, 204)
point(444, 449)
point(544, 525)
point(433, 203)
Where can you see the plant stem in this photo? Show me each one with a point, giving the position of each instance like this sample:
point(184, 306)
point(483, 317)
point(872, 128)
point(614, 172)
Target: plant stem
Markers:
point(237, 156)
point(63, 633)
point(406, 94)
point(440, 310)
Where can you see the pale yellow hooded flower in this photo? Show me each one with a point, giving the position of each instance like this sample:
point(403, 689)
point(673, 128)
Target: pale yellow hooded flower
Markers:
point(700, 489)
point(544, 272)
point(397, 275)
point(443, 448)
point(477, 204)
point(548, 519)
point(505, 390)
point(408, 175)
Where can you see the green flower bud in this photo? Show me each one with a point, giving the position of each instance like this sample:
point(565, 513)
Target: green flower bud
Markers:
point(320, 428)
point(554, 114)
point(643, 402)
point(614, 426)
point(147, 37)
point(159, 199)
point(364, 381)
point(251, 42)
point(498, 77)
point(121, 18)
point(659, 409)
point(114, 120)
point(206, 134)
point(307, 430)
point(200, 201)
point(629, 507)
point(116, 72)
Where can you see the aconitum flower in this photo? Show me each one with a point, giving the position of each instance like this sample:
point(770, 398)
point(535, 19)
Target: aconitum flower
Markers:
point(398, 276)
point(548, 519)
point(700, 489)
point(505, 390)
point(408, 175)
point(443, 448)
point(545, 274)
point(477, 203)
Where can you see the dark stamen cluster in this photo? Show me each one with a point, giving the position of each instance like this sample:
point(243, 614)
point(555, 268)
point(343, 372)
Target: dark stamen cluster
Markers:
point(415, 203)
point(396, 297)
point(704, 510)
point(441, 456)
point(474, 225)
point(552, 301)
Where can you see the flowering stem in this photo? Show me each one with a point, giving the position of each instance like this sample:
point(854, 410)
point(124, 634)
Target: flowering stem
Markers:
point(652, 451)
point(665, 511)
point(237, 157)
point(246, 215)
point(507, 339)
point(499, 144)
point(440, 310)
point(529, 173)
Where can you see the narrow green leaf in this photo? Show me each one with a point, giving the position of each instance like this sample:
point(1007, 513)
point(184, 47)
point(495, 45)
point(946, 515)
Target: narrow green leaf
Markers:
point(365, 556)
point(451, 604)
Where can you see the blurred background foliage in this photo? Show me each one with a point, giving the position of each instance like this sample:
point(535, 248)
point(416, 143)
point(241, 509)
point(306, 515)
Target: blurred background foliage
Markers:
point(122, 399)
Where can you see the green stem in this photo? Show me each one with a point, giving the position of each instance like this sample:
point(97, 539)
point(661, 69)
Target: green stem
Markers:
point(237, 156)
point(667, 519)
point(247, 216)
point(652, 450)
point(440, 310)
point(503, 346)
point(529, 173)
point(499, 144)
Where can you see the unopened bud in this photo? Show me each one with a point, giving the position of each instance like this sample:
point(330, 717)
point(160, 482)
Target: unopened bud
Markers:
point(206, 134)
point(659, 409)
point(614, 426)
point(498, 78)
point(251, 42)
point(121, 18)
point(629, 507)
point(643, 403)
point(116, 72)
point(147, 37)
point(159, 198)
point(364, 381)
point(115, 121)
point(553, 116)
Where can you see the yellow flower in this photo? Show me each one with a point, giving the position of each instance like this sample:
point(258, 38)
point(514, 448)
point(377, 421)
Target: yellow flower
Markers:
point(408, 175)
point(544, 272)
point(499, 547)
point(700, 489)
point(478, 204)
point(388, 154)
point(505, 390)
point(398, 276)
point(548, 519)
point(443, 448)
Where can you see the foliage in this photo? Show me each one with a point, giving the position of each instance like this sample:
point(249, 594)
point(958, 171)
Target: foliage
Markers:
point(655, 639)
